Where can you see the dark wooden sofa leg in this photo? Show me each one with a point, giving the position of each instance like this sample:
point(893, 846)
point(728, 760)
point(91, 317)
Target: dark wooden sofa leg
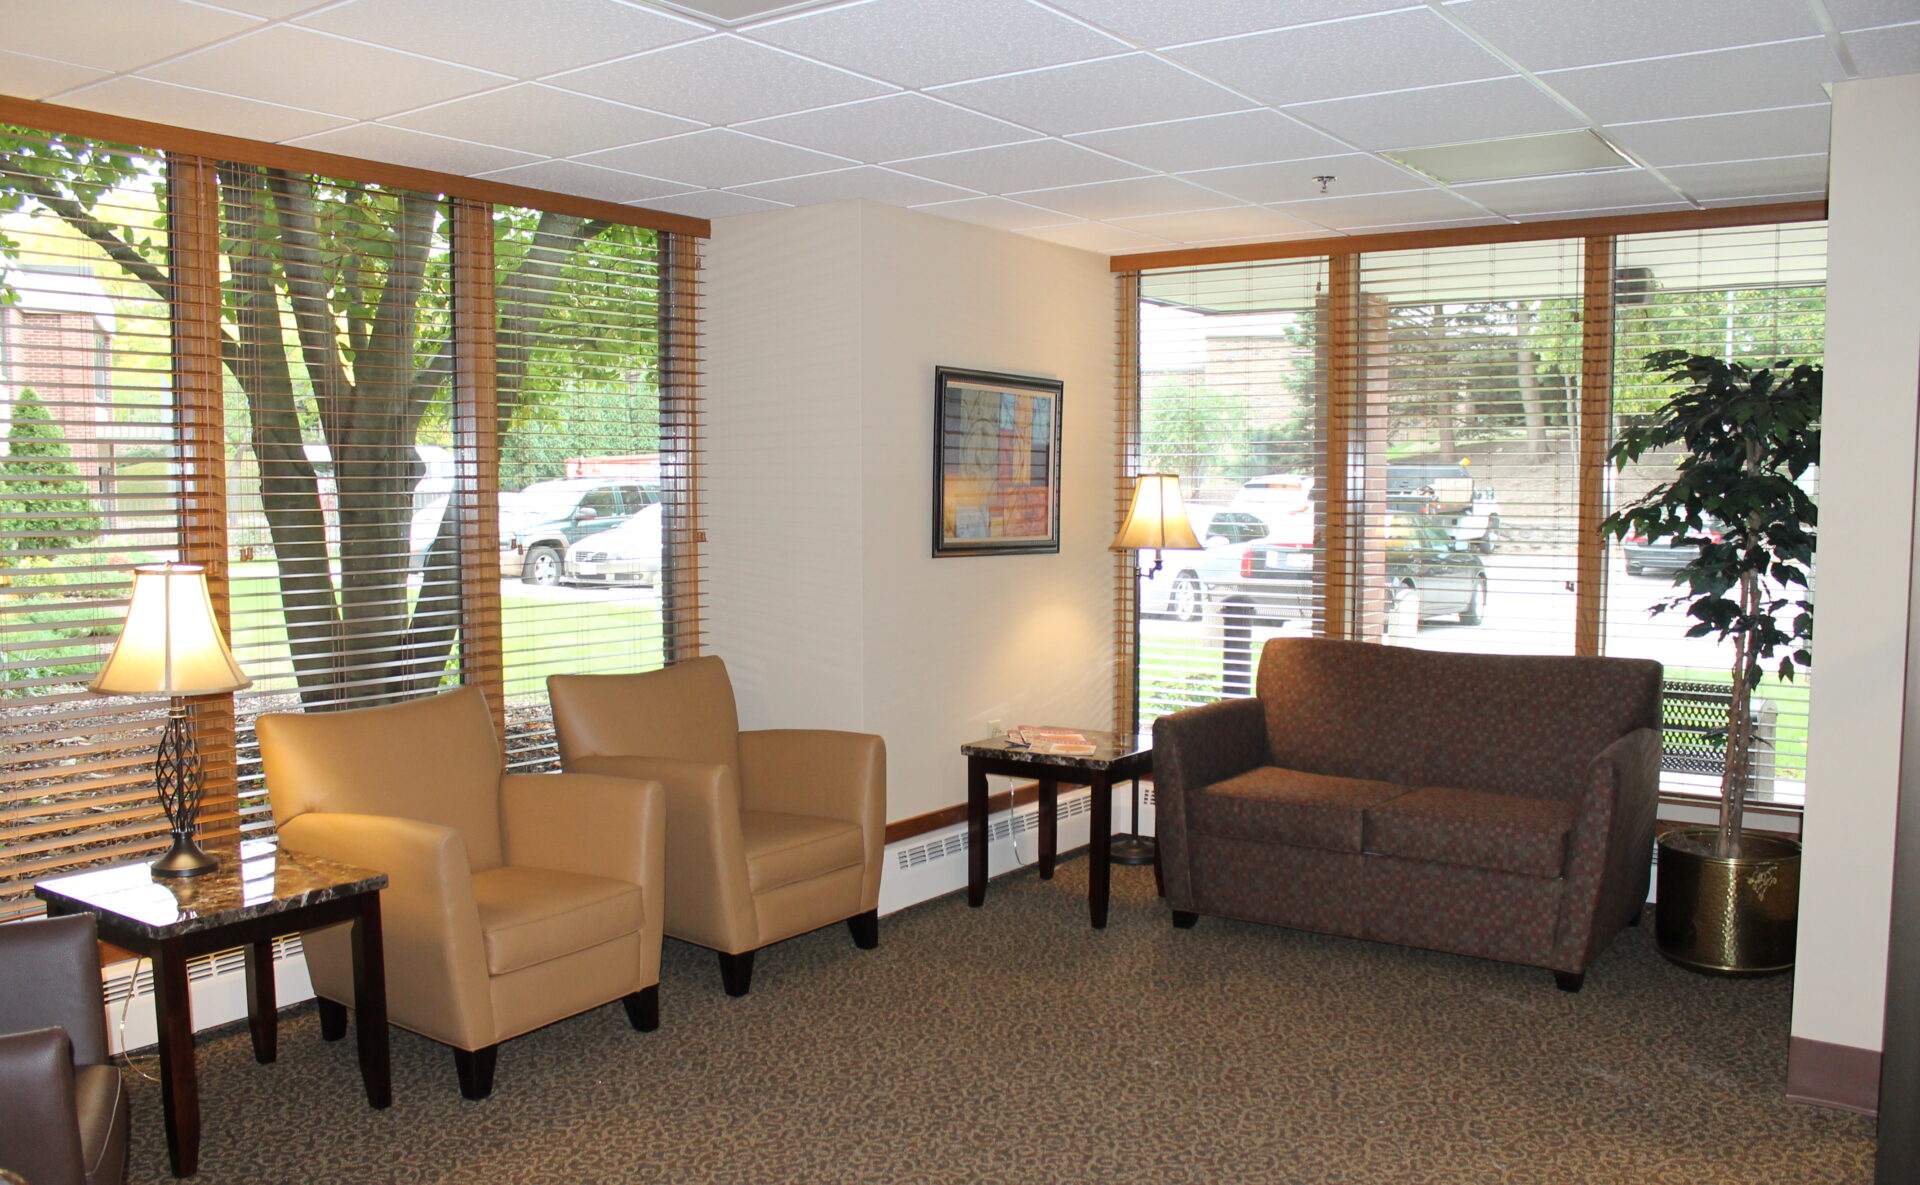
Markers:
point(1569, 981)
point(736, 972)
point(1633, 918)
point(643, 1008)
point(865, 928)
point(1182, 920)
point(476, 1070)
point(333, 1018)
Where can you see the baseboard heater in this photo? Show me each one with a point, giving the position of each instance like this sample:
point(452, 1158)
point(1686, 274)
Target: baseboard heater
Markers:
point(217, 984)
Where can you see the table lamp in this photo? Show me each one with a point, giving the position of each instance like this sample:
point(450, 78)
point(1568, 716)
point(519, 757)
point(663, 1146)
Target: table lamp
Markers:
point(1157, 519)
point(171, 645)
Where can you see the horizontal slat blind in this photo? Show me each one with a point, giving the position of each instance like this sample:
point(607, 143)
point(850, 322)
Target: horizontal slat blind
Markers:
point(1753, 294)
point(583, 524)
point(89, 485)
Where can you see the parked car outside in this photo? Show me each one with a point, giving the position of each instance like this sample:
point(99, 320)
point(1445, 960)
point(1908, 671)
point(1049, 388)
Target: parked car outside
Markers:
point(1186, 579)
point(1665, 556)
point(628, 554)
point(1429, 575)
point(539, 523)
point(1448, 495)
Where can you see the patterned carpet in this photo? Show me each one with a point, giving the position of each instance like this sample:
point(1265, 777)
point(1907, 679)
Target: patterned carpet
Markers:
point(1015, 1044)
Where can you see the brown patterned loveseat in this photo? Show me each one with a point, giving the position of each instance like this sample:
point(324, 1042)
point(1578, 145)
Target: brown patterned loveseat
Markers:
point(1492, 805)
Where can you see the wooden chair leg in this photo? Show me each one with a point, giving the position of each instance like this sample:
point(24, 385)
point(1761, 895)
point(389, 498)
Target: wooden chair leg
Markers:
point(865, 928)
point(736, 972)
point(333, 1019)
point(476, 1070)
point(1569, 981)
point(643, 1008)
point(1183, 920)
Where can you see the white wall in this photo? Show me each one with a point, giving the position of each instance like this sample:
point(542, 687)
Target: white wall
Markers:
point(922, 651)
point(1873, 366)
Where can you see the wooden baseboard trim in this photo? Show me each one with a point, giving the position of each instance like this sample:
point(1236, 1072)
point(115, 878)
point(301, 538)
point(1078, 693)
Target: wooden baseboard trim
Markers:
point(1828, 1075)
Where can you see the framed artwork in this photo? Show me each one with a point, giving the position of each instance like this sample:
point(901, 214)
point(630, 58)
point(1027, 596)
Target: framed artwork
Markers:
point(996, 463)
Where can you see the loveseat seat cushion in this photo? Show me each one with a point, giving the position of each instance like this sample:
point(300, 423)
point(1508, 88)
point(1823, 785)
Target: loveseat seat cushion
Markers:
point(1448, 825)
point(1287, 806)
point(532, 915)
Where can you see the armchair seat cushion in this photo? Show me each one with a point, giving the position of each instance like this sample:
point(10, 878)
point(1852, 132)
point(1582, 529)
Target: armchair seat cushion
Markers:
point(1498, 832)
point(783, 849)
point(1289, 806)
point(530, 916)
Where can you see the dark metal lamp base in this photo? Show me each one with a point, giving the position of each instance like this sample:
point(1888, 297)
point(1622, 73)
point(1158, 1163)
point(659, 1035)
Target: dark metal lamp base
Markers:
point(184, 858)
point(1131, 849)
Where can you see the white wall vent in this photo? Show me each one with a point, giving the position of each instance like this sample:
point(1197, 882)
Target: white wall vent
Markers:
point(217, 984)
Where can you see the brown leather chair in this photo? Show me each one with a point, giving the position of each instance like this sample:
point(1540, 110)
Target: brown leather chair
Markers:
point(63, 1108)
point(775, 832)
point(513, 900)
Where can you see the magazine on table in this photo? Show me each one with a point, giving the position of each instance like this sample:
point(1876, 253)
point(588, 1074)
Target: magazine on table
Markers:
point(1062, 742)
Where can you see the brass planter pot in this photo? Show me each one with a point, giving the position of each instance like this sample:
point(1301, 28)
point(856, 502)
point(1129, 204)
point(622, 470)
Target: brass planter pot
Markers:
point(1727, 915)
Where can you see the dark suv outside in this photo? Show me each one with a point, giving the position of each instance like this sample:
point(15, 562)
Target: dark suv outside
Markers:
point(538, 523)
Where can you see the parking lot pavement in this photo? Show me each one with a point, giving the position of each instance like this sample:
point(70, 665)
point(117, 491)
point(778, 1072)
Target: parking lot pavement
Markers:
point(514, 590)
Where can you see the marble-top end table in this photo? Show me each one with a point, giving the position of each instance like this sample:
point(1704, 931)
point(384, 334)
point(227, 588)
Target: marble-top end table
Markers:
point(1116, 757)
point(260, 891)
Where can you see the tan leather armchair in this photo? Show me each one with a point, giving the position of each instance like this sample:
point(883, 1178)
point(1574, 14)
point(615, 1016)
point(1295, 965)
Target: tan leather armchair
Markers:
point(775, 832)
point(513, 900)
point(63, 1108)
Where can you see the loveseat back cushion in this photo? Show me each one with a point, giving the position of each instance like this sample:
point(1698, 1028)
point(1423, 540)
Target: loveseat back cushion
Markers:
point(1287, 806)
point(1447, 825)
point(1514, 724)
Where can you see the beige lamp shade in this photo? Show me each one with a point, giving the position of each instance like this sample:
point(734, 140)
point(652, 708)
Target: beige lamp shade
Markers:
point(171, 644)
point(1158, 518)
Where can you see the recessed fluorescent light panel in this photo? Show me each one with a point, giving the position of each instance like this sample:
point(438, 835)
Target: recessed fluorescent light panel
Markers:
point(734, 12)
point(1516, 156)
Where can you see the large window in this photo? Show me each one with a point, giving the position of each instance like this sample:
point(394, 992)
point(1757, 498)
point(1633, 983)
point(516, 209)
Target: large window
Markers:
point(1407, 446)
point(359, 405)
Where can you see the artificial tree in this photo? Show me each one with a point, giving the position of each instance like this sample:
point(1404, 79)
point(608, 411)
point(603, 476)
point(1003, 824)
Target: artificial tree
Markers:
point(1747, 435)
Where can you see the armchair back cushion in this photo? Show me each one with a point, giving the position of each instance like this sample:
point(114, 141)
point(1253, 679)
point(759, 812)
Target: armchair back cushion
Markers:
point(683, 711)
point(1501, 723)
point(434, 760)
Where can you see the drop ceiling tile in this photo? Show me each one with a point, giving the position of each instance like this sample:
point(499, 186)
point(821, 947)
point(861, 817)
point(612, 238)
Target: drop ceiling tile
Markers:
point(1091, 96)
point(998, 212)
point(1753, 78)
point(1037, 164)
point(1385, 209)
point(1880, 53)
point(1353, 174)
point(1865, 14)
point(1605, 212)
point(1553, 34)
point(1485, 110)
point(712, 203)
point(1161, 24)
point(570, 176)
point(1751, 178)
point(717, 158)
point(184, 106)
point(1213, 141)
point(301, 68)
point(1237, 222)
point(270, 9)
point(28, 77)
point(402, 147)
point(114, 34)
point(1136, 198)
point(1702, 139)
point(510, 36)
point(720, 80)
point(543, 121)
point(1579, 191)
point(891, 127)
point(1816, 195)
point(924, 43)
point(1388, 51)
point(1097, 236)
point(868, 182)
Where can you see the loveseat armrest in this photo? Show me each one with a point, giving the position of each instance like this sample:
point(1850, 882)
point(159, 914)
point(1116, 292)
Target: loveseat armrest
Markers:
point(1193, 749)
point(39, 1116)
point(1610, 852)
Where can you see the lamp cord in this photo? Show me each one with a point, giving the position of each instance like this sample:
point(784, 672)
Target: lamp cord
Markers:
point(126, 1059)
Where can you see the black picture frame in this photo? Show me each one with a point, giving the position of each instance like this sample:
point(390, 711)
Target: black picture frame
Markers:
point(996, 463)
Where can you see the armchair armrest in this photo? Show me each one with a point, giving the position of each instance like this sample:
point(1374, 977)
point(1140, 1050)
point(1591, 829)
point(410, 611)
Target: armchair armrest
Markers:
point(1192, 749)
point(1610, 852)
point(39, 1115)
point(709, 901)
point(816, 771)
point(587, 823)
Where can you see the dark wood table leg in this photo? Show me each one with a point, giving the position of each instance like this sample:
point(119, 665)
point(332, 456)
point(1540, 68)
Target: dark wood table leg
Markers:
point(370, 1003)
point(976, 833)
point(1099, 868)
point(179, 1089)
point(263, 1009)
point(1049, 826)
